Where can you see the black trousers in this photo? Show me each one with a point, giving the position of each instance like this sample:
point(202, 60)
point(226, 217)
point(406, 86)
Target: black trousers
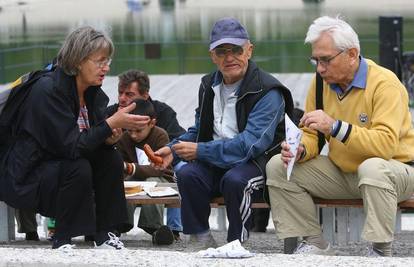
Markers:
point(26, 220)
point(85, 196)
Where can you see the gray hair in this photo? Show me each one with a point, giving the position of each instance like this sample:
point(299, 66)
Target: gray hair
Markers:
point(343, 35)
point(78, 45)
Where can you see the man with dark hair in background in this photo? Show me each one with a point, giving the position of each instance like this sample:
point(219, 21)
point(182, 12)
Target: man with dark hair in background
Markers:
point(135, 84)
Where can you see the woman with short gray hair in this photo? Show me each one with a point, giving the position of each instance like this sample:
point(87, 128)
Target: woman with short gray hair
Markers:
point(62, 162)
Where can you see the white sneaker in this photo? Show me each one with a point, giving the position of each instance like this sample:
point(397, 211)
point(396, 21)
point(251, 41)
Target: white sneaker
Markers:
point(197, 243)
point(66, 247)
point(112, 243)
point(374, 253)
point(305, 248)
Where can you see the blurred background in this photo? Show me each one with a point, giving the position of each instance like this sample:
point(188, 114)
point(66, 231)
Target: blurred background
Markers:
point(171, 36)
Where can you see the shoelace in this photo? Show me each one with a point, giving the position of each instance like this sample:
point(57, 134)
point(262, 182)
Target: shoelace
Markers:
point(114, 241)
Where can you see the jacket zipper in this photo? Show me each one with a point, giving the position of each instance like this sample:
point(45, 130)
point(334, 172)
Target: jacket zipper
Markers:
point(201, 110)
point(248, 93)
point(272, 148)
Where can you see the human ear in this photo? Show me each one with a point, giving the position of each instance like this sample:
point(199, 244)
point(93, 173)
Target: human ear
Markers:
point(249, 50)
point(213, 57)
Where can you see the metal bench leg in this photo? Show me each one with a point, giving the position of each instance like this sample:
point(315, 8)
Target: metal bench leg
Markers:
point(221, 219)
point(398, 222)
point(7, 226)
point(289, 245)
point(328, 224)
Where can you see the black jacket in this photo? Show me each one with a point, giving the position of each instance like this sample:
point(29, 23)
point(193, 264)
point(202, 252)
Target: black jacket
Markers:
point(166, 118)
point(46, 129)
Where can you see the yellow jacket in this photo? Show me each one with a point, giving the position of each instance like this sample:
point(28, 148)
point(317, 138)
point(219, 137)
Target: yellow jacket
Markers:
point(378, 118)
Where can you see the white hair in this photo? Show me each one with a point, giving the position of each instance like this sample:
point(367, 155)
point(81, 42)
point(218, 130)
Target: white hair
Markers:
point(343, 35)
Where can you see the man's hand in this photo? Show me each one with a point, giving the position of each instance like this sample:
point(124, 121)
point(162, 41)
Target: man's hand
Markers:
point(318, 120)
point(186, 150)
point(122, 119)
point(167, 157)
point(114, 138)
point(286, 155)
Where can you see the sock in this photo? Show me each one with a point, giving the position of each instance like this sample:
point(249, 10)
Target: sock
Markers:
point(317, 240)
point(384, 249)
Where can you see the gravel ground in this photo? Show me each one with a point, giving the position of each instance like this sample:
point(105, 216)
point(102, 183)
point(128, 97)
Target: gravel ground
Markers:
point(141, 252)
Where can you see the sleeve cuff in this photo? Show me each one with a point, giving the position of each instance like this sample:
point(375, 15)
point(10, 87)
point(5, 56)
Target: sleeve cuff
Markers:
point(342, 131)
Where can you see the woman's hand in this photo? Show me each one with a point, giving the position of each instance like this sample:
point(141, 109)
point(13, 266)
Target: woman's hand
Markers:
point(122, 119)
point(114, 138)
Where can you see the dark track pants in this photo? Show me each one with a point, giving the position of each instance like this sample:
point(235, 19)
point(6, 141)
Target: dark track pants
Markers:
point(199, 182)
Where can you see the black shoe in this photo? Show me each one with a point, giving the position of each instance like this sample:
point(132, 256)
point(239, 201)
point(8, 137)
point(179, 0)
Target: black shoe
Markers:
point(163, 236)
point(62, 243)
point(89, 238)
point(32, 236)
point(258, 229)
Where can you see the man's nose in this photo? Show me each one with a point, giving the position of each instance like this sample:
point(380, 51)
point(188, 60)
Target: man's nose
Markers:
point(121, 97)
point(320, 67)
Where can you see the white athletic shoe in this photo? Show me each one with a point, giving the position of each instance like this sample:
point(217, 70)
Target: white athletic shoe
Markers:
point(308, 249)
point(112, 243)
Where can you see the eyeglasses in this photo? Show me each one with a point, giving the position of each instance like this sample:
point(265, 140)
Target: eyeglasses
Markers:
point(323, 61)
point(234, 50)
point(102, 63)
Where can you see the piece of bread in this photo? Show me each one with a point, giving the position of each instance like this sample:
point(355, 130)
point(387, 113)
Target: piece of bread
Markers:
point(133, 189)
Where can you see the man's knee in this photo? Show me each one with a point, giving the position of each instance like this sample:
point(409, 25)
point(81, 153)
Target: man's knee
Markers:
point(371, 166)
point(185, 175)
point(375, 172)
point(275, 169)
point(232, 181)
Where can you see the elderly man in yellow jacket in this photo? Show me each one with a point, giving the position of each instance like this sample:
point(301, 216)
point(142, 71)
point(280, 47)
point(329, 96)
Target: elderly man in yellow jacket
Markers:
point(366, 120)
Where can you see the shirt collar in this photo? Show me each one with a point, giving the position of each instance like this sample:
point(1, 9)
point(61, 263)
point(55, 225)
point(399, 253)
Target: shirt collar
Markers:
point(360, 78)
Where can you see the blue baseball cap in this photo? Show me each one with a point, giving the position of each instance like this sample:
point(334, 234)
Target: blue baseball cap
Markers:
point(228, 31)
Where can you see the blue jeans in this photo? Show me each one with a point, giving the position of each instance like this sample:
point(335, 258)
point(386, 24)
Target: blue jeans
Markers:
point(174, 214)
point(174, 219)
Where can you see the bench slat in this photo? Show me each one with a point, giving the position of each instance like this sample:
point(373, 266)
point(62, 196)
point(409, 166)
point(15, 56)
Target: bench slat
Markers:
point(407, 204)
point(174, 201)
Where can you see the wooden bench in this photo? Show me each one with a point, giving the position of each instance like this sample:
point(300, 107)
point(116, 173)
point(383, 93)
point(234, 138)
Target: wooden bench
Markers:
point(334, 213)
point(341, 219)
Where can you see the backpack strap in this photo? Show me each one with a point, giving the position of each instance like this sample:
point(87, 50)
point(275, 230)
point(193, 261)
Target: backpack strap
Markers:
point(319, 105)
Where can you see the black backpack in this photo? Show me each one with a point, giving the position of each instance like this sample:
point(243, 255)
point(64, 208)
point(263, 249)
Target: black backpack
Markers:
point(19, 91)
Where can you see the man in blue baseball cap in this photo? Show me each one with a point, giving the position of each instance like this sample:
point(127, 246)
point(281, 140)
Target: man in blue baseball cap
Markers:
point(235, 133)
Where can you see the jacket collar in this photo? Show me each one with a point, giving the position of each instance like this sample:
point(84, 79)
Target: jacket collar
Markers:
point(66, 84)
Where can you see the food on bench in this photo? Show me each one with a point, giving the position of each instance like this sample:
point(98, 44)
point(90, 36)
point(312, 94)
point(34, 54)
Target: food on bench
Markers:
point(157, 160)
point(132, 189)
